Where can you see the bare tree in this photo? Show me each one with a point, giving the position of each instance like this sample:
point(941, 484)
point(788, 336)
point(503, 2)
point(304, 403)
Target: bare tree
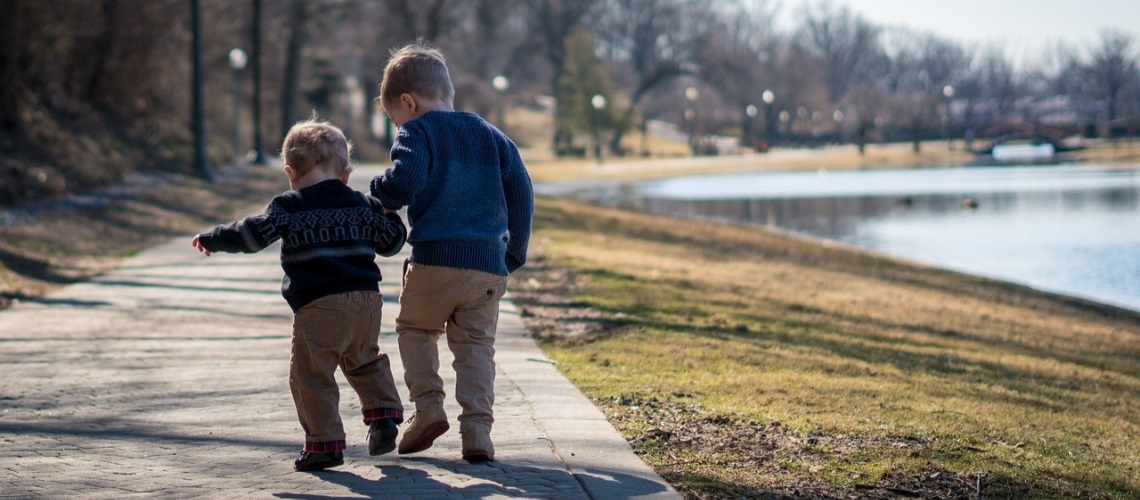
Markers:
point(551, 23)
point(1058, 71)
point(290, 84)
point(841, 40)
point(1112, 70)
point(426, 19)
point(735, 57)
point(920, 69)
point(648, 41)
point(999, 80)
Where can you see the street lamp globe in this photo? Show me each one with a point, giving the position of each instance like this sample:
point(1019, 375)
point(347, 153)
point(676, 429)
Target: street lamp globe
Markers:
point(238, 59)
point(692, 94)
point(768, 97)
point(500, 83)
point(598, 102)
point(750, 111)
point(948, 91)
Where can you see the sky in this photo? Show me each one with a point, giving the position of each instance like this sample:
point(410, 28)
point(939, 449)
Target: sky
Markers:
point(1027, 25)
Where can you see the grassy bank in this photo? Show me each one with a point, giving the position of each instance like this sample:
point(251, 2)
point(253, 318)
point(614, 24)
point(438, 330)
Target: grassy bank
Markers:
point(743, 362)
point(66, 242)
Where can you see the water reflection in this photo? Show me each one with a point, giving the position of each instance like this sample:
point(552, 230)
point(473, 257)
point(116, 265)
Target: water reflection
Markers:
point(1069, 230)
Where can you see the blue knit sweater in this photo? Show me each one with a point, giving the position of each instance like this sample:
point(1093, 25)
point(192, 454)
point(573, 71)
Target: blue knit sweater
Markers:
point(330, 235)
point(469, 197)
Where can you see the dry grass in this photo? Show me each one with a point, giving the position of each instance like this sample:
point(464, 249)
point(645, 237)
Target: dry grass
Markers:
point(67, 246)
point(885, 372)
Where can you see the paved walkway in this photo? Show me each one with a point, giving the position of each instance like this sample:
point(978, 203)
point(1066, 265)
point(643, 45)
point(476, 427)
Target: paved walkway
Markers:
point(169, 378)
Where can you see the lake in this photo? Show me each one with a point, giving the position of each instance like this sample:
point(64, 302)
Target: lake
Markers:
point(1073, 230)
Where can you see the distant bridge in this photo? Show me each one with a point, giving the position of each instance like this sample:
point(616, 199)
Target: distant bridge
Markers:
point(1022, 132)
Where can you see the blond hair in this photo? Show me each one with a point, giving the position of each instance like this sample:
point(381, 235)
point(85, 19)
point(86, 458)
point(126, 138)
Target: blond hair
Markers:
point(313, 143)
point(416, 68)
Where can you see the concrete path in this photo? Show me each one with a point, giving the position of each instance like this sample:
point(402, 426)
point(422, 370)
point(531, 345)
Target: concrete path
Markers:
point(169, 378)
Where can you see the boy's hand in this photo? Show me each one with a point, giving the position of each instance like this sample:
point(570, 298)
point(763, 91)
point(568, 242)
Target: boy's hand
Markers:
point(198, 244)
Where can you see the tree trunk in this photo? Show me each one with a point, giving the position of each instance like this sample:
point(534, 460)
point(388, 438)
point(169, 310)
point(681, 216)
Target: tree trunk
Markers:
point(11, 46)
point(916, 135)
point(862, 140)
point(291, 83)
point(104, 45)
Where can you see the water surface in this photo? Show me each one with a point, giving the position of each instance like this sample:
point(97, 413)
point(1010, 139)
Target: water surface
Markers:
point(1070, 230)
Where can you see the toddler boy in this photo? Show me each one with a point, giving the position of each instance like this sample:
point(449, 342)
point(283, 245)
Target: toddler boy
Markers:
point(330, 235)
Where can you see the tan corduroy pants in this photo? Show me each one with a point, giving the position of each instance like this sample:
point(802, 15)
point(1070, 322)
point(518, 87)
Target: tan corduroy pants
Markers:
point(464, 305)
point(338, 330)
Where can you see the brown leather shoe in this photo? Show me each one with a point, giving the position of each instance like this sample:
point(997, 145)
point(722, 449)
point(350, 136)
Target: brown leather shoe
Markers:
point(424, 427)
point(477, 446)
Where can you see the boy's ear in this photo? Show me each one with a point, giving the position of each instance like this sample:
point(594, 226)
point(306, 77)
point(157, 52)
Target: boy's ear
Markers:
point(289, 171)
point(409, 102)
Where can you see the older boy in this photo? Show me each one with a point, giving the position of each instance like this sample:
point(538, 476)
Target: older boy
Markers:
point(330, 235)
point(470, 204)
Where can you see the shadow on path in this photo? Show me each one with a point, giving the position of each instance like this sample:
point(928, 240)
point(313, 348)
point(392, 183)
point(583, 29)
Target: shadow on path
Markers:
point(483, 480)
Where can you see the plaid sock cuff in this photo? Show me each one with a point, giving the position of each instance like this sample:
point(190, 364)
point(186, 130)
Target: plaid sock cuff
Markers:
point(382, 413)
point(325, 446)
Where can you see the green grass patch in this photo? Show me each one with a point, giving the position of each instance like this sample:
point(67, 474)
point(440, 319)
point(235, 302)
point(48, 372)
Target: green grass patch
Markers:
point(862, 374)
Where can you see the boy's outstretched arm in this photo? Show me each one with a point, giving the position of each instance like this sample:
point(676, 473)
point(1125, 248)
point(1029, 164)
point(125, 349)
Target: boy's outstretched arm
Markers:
point(198, 244)
point(249, 235)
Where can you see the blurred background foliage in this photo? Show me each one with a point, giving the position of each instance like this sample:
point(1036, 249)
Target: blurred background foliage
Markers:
point(93, 89)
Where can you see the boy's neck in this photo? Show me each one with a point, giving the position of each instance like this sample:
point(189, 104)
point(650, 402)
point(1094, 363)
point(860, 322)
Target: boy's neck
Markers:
point(316, 176)
point(425, 106)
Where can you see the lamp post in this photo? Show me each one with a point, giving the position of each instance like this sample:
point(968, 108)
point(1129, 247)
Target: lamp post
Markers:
point(599, 103)
point(769, 122)
point(692, 94)
point(238, 59)
point(948, 92)
point(785, 117)
point(798, 126)
point(353, 104)
point(197, 101)
point(258, 156)
point(838, 116)
point(750, 118)
point(501, 85)
point(816, 131)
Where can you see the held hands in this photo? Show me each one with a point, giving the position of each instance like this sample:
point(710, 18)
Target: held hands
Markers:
point(198, 244)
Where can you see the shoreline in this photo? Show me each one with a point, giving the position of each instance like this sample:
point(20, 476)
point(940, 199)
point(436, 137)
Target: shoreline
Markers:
point(869, 370)
point(1108, 309)
point(609, 192)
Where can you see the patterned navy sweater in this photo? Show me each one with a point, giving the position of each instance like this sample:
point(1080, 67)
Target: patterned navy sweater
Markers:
point(469, 197)
point(330, 235)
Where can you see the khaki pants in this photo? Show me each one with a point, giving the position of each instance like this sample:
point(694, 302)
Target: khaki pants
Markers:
point(338, 330)
point(464, 304)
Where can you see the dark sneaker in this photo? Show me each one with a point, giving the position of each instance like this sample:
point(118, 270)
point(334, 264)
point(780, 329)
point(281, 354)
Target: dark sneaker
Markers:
point(382, 436)
point(309, 461)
